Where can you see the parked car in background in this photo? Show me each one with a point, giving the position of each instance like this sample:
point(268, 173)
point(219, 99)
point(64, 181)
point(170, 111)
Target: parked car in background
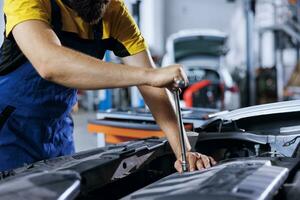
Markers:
point(202, 52)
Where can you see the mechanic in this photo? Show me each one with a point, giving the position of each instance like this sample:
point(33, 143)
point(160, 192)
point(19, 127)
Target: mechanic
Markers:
point(54, 47)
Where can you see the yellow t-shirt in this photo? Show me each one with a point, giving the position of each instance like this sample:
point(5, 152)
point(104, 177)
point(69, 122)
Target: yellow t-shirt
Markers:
point(117, 23)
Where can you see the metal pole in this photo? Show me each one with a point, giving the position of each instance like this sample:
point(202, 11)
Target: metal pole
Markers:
point(279, 67)
point(249, 8)
point(136, 11)
point(260, 46)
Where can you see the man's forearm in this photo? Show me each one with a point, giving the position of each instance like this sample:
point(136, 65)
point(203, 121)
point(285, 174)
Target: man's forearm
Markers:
point(159, 104)
point(163, 112)
point(84, 72)
point(68, 67)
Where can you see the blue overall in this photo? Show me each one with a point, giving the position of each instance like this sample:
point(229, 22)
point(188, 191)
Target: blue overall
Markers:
point(35, 122)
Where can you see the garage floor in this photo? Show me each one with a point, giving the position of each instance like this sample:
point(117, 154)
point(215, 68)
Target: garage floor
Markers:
point(83, 139)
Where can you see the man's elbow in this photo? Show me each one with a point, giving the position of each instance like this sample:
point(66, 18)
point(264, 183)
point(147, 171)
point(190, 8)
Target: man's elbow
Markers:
point(46, 70)
point(47, 75)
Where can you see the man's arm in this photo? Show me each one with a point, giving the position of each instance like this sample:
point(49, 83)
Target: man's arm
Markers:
point(159, 103)
point(164, 114)
point(73, 69)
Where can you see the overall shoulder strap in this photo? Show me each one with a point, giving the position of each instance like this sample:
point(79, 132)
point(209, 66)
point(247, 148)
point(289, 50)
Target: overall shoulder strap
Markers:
point(11, 57)
point(98, 31)
point(56, 19)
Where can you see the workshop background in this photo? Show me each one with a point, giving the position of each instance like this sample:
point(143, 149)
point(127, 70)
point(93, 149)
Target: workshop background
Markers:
point(237, 53)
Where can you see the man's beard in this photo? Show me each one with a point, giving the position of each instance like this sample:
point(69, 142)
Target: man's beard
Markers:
point(90, 11)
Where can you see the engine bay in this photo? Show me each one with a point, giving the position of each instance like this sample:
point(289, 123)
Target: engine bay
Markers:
point(257, 154)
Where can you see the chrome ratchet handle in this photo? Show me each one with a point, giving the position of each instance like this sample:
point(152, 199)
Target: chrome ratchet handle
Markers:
point(176, 92)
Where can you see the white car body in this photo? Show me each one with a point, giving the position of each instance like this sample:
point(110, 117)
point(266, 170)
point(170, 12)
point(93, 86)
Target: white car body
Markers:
point(202, 59)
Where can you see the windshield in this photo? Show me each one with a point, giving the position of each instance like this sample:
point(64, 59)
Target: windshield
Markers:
point(199, 45)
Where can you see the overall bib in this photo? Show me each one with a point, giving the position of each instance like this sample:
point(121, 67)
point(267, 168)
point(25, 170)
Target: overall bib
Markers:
point(35, 122)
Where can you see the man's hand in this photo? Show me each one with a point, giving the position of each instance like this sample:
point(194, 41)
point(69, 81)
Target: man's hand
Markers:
point(196, 161)
point(166, 77)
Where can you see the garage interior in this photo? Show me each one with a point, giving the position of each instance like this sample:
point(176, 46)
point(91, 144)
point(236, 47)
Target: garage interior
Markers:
point(260, 64)
point(241, 107)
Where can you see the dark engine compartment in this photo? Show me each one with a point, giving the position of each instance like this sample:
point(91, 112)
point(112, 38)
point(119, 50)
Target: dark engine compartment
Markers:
point(276, 135)
point(144, 170)
point(250, 166)
point(106, 173)
point(258, 159)
point(234, 179)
